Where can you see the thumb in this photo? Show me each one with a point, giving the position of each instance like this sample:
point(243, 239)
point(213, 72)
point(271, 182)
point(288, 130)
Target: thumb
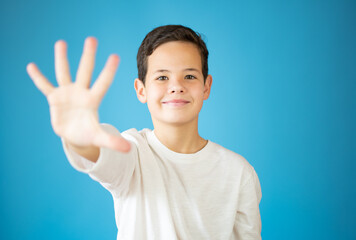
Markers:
point(103, 139)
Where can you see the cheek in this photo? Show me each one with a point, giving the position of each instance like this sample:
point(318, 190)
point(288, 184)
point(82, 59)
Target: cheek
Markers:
point(198, 93)
point(154, 98)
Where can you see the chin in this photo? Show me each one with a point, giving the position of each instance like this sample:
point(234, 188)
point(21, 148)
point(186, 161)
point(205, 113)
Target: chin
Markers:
point(176, 121)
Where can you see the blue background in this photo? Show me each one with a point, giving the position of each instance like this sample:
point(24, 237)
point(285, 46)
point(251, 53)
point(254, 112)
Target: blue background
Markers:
point(283, 97)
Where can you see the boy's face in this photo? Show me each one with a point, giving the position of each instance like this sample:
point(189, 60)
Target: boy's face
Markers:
point(174, 89)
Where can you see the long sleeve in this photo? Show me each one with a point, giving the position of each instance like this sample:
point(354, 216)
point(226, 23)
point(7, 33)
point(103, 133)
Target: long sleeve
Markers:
point(113, 169)
point(248, 220)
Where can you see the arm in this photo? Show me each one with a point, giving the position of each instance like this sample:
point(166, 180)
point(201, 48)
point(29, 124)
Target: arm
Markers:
point(248, 220)
point(113, 169)
point(74, 106)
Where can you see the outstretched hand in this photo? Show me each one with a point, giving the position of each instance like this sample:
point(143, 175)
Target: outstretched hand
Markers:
point(73, 105)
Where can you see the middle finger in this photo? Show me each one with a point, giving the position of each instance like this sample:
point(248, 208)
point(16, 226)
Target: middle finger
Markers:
point(61, 63)
point(87, 62)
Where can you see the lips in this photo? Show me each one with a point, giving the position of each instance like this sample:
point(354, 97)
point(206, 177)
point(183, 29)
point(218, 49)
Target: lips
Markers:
point(175, 102)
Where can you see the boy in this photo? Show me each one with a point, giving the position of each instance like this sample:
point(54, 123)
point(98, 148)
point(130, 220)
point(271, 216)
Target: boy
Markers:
point(168, 183)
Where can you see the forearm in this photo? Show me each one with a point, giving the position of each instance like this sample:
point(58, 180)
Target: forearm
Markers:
point(90, 153)
point(113, 169)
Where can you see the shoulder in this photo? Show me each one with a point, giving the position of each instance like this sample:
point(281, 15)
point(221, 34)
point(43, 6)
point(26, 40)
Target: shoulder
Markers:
point(236, 162)
point(239, 167)
point(229, 155)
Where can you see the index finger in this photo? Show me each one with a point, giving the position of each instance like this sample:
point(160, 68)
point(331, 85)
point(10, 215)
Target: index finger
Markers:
point(39, 80)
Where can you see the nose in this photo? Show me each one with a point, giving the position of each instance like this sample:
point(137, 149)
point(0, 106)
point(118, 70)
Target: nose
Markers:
point(176, 86)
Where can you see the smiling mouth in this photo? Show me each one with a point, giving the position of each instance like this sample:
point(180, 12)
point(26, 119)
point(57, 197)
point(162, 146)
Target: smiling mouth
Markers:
point(176, 102)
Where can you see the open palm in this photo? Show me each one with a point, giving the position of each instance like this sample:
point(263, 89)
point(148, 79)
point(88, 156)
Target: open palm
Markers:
point(73, 105)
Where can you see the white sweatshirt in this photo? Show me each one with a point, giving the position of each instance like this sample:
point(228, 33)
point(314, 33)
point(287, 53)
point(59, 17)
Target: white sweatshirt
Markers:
point(163, 195)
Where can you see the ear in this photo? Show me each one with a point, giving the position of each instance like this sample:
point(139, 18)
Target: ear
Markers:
point(207, 86)
point(140, 90)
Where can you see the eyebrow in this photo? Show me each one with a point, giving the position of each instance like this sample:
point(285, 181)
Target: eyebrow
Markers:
point(161, 71)
point(191, 69)
point(185, 70)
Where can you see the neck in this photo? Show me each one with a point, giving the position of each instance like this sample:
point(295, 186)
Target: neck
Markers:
point(181, 138)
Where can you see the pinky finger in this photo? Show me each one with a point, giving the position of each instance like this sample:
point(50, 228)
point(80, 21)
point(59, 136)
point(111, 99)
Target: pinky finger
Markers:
point(39, 80)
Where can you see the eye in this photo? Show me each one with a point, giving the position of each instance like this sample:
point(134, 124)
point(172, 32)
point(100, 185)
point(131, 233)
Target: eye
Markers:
point(190, 77)
point(162, 78)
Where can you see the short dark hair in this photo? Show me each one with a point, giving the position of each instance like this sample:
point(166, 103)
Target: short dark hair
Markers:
point(169, 33)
